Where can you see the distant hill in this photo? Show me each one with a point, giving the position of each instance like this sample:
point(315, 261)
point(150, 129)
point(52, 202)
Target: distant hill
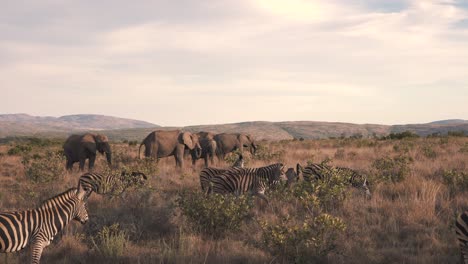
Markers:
point(129, 129)
point(23, 124)
point(449, 122)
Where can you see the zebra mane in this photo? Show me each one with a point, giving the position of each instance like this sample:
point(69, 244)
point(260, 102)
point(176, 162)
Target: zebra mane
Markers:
point(70, 192)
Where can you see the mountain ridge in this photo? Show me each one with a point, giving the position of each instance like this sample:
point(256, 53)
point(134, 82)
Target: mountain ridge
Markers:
point(123, 128)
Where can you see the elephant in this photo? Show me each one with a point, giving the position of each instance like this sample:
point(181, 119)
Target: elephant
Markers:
point(160, 144)
point(208, 146)
point(78, 148)
point(229, 142)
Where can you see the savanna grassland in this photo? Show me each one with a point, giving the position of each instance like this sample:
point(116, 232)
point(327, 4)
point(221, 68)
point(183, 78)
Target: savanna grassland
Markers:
point(418, 186)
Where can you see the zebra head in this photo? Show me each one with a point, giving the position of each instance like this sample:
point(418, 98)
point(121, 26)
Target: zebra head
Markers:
point(275, 174)
point(81, 211)
point(291, 176)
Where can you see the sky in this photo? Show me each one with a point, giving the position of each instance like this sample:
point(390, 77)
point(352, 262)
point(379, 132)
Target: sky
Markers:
point(190, 62)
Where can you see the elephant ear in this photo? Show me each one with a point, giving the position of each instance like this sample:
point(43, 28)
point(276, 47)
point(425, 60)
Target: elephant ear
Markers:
point(101, 138)
point(187, 140)
point(88, 138)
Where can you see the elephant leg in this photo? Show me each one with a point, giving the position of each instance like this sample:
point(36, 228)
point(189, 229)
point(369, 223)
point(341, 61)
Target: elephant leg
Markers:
point(206, 161)
point(82, 162)
point(92, 159)
point(69, 165)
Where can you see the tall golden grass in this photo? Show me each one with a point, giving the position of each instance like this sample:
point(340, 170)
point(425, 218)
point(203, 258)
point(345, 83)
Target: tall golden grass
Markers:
point(409, 221)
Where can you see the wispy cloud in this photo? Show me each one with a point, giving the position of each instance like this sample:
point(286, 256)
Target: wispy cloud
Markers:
point(279, 60)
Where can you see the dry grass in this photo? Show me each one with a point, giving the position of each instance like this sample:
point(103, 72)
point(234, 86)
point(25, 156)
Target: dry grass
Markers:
point(411, 221)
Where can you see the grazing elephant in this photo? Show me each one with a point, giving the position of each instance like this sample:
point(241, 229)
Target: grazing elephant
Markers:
point(160, 144)
point(208, 146)
point(78, 148)
point(226, 143)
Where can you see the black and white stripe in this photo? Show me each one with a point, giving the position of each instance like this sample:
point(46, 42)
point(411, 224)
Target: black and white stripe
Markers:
point(39, 226)
point(207, 173)
point(322, 172)
point(462, 235)
point(108, 183)
point(252, 180)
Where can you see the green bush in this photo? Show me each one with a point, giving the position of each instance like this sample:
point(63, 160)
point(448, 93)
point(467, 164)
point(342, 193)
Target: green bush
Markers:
point(456, 133)
point(307, 241)
point(402, 135)
point(264, 153)
point(45, 168)
point(429, 152)
point(340, 154)
point(457, 181)
point(215, 215)
point(19, 149)
point(232, 158)
point(110, 241)
point(464, 148)
point(392, 169)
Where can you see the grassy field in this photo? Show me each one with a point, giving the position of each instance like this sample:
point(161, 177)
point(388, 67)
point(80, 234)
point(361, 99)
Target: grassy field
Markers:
point(418, 186)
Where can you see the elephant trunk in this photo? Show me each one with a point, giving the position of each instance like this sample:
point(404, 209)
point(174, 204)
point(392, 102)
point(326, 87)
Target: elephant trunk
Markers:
point(109, 157)
point(253, 149)
point(139, 149)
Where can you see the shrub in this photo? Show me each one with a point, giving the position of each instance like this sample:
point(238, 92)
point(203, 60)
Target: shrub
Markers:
point(392, 169)
point(464, 148)
point(232, 158)
point(133, 143)
point(456, 133)
point(340, 153)
point(45, 168)
point(264, 153)
point(19, 149)
point(457, 181)
point(304, 241)
point(429, 152)
point(402, 135)
point(214, 215)
point(110, 241)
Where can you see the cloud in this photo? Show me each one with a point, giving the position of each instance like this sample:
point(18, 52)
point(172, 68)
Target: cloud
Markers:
point(280, 60)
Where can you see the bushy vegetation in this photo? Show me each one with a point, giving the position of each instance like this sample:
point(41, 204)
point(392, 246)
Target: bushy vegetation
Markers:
point(402, 135)
point(415, 196)
point(47, 168)
point(110, 241)
point(456, 180)
point(307, 241)
point(216, 215)
point(392, 169)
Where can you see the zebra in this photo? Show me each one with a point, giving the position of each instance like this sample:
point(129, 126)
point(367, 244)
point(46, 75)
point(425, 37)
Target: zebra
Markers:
point(207, 173)
point(462, 235)
point(291, 177)
point(316, 171)
point(109, 184)
point(253, 180)
point(39, 226)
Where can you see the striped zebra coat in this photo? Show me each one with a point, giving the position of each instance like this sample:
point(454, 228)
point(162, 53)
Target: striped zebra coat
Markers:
point(39, 226)
point(462, 235)
point(248, 180)
point(108, 184)
point(322, 172)
point(207, 173)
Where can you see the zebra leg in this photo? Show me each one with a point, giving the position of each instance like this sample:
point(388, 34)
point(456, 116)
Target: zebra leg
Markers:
point(37, 247)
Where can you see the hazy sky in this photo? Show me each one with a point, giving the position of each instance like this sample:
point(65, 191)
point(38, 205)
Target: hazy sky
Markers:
point(192, 62)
